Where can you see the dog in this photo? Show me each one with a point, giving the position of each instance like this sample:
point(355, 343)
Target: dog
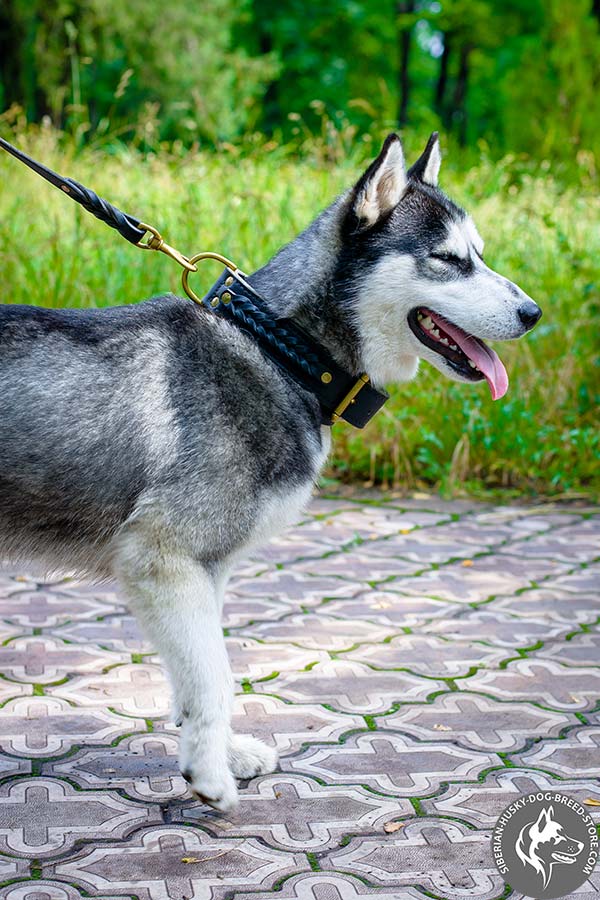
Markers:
point(544, 844)
point(156, 443)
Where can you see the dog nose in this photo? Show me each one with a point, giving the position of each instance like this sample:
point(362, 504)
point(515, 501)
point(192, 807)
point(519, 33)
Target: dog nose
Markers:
point(529, 313)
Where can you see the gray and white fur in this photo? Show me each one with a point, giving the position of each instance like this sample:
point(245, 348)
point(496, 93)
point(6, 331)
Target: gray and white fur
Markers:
point(155, 443)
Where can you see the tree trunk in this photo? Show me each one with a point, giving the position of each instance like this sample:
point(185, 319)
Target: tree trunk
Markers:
point(404, 7)
point(459, 107)
point(271, 111)
point(12, 37)
point(442, 81)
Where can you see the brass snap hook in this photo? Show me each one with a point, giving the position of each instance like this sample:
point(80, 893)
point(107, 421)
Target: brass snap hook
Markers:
point(156, 242)
point(193, 260)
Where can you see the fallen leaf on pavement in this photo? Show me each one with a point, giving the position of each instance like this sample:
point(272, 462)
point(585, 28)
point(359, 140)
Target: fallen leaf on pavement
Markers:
point(391, 827)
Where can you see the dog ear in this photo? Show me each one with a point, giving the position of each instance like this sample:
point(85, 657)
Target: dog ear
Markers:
point(543, 819)
point(382, 185)
point(427, 167)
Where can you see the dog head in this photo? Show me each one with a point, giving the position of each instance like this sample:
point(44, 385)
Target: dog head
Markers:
point(413, 260)
point(544, 843)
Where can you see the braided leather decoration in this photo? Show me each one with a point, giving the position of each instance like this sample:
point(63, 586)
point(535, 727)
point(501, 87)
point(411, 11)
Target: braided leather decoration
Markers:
point(126, 225)
point(277, 336)
point(105, 211)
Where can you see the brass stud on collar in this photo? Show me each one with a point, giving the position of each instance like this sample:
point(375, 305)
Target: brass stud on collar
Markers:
point(214, 302)
point(229, 280)
point(326, 377)
point(226, 297)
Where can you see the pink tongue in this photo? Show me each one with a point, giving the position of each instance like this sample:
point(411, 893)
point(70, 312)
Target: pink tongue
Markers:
point(487, 361)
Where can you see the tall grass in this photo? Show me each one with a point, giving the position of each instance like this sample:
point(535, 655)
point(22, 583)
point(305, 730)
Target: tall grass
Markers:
point(541, 438)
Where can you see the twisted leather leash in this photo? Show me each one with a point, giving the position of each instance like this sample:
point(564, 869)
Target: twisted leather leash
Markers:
point(340, 394)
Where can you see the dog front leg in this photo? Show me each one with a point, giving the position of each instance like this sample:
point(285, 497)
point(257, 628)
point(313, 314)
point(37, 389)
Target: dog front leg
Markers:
point(176, 601)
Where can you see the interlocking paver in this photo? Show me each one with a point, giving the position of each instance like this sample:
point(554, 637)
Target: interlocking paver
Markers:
point(446, 858)
point(573, 543)
point(45, 608)
point(293, 812)
point(365, 567)
point(239, 612)
point(13, 765)
point(287, 726)
point(318, 631)
point(392, 763)
point(42, 660)
point(542, 681)
point(43, 817)
point(134, 690)
point(350, 687)
point(477, 721)
point(489, 625)
point(581, 649)
point(327, 886)
point(144, 765)
point(484, 578)
point(390, 607)
point(580, 580)
point(118, 632)
point(294, 585)
point(47, 726)
point(150, 865)
point(551, 604)
point(44, 890)
point(427, 655)
point(12, 868)
point(482, 804)
point(576, 756)
point(412, 659)
point(252, 659)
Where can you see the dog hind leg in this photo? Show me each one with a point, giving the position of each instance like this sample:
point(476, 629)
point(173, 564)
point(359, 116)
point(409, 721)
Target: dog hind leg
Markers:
point(248, 757)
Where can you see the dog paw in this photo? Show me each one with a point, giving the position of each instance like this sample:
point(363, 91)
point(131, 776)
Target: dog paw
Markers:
point(249, 757)
point(218, 790)
point(203, 764)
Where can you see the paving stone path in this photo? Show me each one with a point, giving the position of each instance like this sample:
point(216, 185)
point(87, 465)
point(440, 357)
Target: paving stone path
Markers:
point(413, 661)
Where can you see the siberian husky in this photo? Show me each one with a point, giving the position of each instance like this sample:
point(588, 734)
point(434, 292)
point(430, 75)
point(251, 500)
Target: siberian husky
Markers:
point(156, 443)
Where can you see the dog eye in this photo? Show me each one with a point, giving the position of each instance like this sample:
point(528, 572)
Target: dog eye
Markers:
point(449, 258)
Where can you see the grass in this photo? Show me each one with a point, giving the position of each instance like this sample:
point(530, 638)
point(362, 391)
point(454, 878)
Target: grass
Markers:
point(541, 439)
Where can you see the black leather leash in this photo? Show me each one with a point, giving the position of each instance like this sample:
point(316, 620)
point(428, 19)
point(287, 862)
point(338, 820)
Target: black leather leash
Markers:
point(129, 227)
point(340, 394)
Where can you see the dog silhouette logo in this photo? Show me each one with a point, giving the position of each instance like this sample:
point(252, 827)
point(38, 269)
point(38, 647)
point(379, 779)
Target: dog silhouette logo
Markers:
point(545, 845)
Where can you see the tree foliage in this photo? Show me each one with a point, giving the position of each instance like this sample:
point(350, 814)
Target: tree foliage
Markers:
point(521, 75)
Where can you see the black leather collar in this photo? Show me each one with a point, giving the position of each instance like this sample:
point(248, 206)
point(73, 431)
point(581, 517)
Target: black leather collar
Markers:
point(340, 394)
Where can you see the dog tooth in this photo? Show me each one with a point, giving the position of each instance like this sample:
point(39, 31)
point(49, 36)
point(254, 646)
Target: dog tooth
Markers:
point(472, 364)
point(427, 323)
point(435, 332)
point(445, 341)
point(453, 347)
